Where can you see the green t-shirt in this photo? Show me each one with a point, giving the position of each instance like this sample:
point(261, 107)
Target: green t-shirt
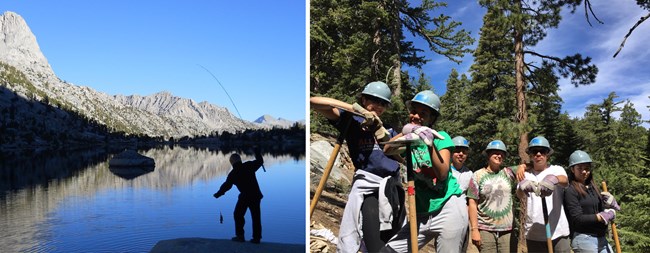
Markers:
point(430, 194)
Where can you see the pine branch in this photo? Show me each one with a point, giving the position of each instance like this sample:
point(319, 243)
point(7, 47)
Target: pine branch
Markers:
point(544, 56)
point(630, 32)
point(588, 9)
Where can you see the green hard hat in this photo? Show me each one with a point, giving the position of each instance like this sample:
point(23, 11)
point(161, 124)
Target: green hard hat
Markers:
point(496, 145)
point(427, 98)
point(539, 141)
point(578, 157)
point(460, 141)
point(378, 89)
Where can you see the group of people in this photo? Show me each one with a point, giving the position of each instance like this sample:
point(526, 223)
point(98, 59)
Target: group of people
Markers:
point(452, 202)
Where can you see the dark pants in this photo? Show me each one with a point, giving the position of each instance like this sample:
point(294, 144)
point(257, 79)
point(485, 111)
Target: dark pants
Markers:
point(240, 211)
point(372, 237)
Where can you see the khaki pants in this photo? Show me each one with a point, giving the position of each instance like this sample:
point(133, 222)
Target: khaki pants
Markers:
point(498, 241)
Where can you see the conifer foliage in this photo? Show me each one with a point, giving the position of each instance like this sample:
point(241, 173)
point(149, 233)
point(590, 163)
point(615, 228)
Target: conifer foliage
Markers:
point(510, 92)
point(353, 43)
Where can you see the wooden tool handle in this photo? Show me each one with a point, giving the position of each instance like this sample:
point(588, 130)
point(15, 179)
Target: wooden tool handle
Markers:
point(614, 231)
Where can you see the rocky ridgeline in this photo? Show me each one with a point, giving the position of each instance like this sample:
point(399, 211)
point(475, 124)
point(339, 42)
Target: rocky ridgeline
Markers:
point(157, 115)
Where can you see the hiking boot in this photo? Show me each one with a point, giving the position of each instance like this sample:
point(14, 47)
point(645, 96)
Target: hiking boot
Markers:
point(255, 240)
point(238, 239)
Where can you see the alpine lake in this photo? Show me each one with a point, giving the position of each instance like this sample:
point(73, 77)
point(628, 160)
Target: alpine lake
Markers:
point(71, 201)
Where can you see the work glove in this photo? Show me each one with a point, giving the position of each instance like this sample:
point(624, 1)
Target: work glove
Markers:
point(528, 186)
point(607, 215)
point(547, 185)
point(371, 120)
point(411, 136)
point(609, 201)
point(382, 134)
point(216, 195)
point(425, 133)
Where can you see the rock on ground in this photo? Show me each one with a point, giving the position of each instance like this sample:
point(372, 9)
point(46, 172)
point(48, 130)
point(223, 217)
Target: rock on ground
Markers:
point(199, 245)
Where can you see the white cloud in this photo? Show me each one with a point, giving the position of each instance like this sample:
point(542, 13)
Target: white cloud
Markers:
point(628, 74)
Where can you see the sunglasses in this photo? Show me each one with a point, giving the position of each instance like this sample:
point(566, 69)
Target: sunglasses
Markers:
point(534, 151)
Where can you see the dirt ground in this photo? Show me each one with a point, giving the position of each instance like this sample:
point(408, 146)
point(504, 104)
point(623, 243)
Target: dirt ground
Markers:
point(329, 210)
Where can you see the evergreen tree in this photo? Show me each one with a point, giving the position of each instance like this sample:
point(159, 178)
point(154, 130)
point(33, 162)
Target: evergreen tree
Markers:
point(490, 113)
point(616, 147)
point(353, 43)
point(455, 104)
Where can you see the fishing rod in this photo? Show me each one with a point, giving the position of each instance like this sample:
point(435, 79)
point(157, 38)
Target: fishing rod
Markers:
point(224, 89)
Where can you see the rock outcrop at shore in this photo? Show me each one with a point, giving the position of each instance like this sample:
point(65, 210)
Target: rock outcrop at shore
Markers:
point(198, 245)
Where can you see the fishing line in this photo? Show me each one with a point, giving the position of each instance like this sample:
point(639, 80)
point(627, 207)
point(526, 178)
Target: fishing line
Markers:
point(224, 89)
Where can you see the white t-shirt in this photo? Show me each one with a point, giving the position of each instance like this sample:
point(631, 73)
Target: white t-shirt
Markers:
point(535, 227)
point(463, 176)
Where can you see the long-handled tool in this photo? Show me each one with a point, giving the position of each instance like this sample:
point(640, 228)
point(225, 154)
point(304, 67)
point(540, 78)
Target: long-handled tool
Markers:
point(614, 231)
point(413, 220)
point(549, 239)
point(412, 214)
point(330, 163)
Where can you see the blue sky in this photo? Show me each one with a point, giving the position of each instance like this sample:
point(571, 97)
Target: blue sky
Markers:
point(628, 74)
point(256, 50)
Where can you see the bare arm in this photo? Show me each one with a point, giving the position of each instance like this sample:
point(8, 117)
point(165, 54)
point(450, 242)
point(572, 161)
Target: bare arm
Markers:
point(563, 180)
point(392, 150)
point(327, 106)
point(519, 171)
point(472, 209)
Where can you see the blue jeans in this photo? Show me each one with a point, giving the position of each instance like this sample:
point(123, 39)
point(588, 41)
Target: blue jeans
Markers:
point(590, 243)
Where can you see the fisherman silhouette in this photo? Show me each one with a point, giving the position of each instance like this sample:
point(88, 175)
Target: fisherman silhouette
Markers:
point(243, 176)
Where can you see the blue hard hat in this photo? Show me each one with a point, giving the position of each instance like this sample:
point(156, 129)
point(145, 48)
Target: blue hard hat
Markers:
point(496, 145)
point(427, 98)
point(539, 141)
point(460, 141)
point(378, 89)
point(578, 157)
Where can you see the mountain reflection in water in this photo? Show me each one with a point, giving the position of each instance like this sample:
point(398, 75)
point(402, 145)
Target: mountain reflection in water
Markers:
point(71, 201)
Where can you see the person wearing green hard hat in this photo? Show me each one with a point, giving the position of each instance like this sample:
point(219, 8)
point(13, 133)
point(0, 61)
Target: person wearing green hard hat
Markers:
point(547, 182)
point(589, 212)
point(460, 171)
point(382, 217)
point(490, 198)
point(441, 211)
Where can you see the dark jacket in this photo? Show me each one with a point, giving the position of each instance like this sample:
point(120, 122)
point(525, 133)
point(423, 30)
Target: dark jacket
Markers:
point(581, 212)
point(365, 152)
point(243, 176)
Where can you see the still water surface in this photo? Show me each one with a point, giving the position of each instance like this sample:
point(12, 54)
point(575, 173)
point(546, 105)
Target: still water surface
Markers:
point(75, 203)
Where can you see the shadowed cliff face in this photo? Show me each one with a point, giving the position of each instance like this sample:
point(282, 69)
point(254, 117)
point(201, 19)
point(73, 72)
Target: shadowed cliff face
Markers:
point(156, 115)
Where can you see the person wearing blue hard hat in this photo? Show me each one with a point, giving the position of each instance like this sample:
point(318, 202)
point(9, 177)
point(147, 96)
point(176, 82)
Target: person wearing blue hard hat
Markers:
point(371, 217)
point(460, 171)
point(589, 212)
point(547, 182)
point(490, 198)
point(440, 205)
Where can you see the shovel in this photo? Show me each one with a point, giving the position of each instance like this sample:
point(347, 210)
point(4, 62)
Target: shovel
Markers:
point(412, 215)
point(614, 231)
point(330, 163)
